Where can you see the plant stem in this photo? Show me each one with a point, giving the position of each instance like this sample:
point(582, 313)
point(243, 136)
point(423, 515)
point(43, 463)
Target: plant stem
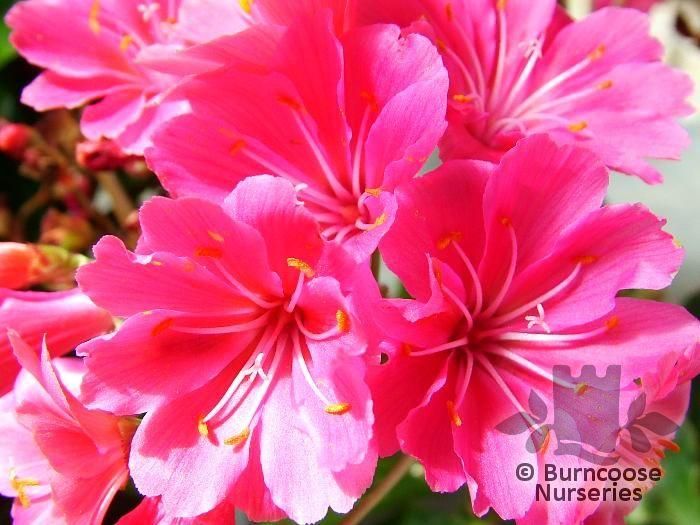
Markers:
point(376, 494)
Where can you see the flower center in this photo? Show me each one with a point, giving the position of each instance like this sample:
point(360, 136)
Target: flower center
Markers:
point(280, 340)
point(488, 332)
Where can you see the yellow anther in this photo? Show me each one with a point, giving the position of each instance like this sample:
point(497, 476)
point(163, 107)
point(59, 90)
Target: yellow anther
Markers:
point(442, 47)
point(302, 266)
point(94, 17)
point(545, 443)
point(505, 221)
point(577, 127)
point(20, 486)
point(597, 53)
point(581, 389)
point(205, 251)
point(216, 236)
point(371, 100)
point(677, 243)
point(585, 260)
point(374, 192)
point(454, 416)
point(289, 101)
point(449, 12)
point(462, 98)
point(147, 312)
point(161, 327)
point(236, 147)
point(246, 5)
point(202, 427)
point(605, 84)
point(670, 445)
point(501, 4)
point(239, 438)
point(156, 263)
point(343, 321)
point(380, 220)
point(338, 409)
point(613, 322)
point(449, 239)
point(125, 42)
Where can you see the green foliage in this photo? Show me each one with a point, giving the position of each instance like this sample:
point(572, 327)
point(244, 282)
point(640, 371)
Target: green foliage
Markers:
point(7, 52)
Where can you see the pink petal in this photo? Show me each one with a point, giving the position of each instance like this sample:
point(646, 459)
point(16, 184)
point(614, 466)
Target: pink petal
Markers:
point(133, 383)
point(51, 90)
point(111, 116)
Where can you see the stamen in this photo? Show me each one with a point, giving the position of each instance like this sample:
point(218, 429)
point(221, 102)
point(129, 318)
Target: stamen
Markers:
point(505, 318)
point(161, 327)
point(332, 180)
point(454, 416)
point(359, 147)
point(577, 127)
point(581, 388)
point(597, 53)
point(20, 485)
point(294, 299)
point(374, 192)
point(558, 338)
point(343, 321)
point(254, 297)
point(302, 266)
point(459, 304)
point(505, 221)
point(528, 365)
point(449, 12)
point(478, 290)
point(239, 438)
point(202, 427)
point(369, 227)
point(483, 360)
point(670, 445)
point(448, 239)
point(462, 98)
point(125, 42)
point(216, 236)
point(207, 251)
point(250, 369)
point(605, 84)
point(371, 100)
point(246, 5)
point(230, 329)
point(94, 17)
point(464, 381)
point(538, 320)
point(502, 51)
point(338, 409)
point(441, 348)
point(313, 336)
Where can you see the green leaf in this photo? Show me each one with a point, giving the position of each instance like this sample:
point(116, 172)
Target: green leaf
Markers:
point(7, 52)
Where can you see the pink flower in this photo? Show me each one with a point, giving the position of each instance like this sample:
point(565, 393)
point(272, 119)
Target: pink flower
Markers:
point(519, 68)
point(642, 5)
point(151, 512)
point(243, 346)
point(64, 318)
point(346, 123)
point(515, 269)
point(62, 462)
point(97, 51)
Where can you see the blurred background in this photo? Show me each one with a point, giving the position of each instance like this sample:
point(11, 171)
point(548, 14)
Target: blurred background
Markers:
point(56, 190)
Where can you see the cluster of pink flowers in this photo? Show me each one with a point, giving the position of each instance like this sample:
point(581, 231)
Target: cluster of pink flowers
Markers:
point(243, 356)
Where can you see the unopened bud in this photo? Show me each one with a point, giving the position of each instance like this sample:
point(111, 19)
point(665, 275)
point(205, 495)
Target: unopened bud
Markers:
point(101, 155)
point(14, 139)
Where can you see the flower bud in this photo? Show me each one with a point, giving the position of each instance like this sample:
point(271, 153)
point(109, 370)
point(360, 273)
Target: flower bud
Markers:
point(14, 139)
point(100, 155)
